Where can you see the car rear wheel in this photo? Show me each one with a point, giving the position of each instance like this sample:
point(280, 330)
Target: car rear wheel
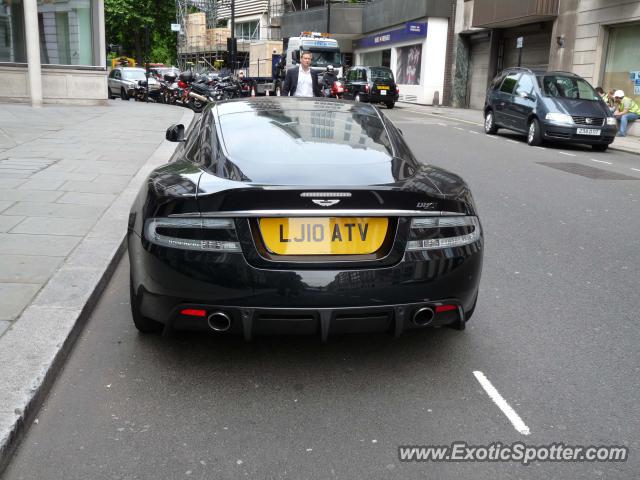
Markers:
point(142, 323)
point(123, 94)
point(489, 125)
point(110, 95)
point(390, 105)
point(600, 148)
point(534, 137)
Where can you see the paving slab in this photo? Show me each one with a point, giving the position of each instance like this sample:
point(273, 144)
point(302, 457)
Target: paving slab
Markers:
point(7, 222)
point(97, 186)
point(41, 209)
point(23, 244)
point(4, 205)
point(17, 195)
point(78, 227)
point(14, 297)
point(28, 268)
point(95, 199)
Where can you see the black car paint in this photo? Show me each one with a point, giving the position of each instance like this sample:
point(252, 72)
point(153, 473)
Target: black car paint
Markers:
point(396, 281)
point(515, 111)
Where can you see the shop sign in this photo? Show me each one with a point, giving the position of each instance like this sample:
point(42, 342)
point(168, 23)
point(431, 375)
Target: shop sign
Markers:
point(411, 31)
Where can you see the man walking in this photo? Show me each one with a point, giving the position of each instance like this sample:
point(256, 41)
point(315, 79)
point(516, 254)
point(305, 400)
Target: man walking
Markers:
point(302, 81)
point(626, 111)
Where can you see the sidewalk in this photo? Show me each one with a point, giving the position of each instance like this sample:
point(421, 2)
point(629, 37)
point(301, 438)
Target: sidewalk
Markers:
point(68, 177)
point(629, 144)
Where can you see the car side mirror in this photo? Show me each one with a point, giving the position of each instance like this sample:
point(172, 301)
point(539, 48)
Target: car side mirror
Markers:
point(175, 133)
point(526, 96)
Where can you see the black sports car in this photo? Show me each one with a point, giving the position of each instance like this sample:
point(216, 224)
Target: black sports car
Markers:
point(301, 216)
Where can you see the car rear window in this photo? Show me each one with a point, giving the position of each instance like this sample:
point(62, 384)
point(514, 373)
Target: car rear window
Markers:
point(381, 74)
point(329, 137)
point(561, 86)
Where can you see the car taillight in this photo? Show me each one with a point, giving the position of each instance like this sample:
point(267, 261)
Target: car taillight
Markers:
point(202, 234)
point(443, 232)
point(397, 89)
point(366, 88)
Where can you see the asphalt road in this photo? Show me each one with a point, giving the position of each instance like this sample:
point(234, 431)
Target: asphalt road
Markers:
point(555, 332)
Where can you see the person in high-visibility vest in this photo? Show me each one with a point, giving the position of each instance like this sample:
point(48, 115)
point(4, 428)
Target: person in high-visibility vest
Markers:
point(626, 111)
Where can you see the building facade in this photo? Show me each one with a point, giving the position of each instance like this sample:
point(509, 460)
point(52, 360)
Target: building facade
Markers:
point(52, 51)
point(410, 37)
point(597, 39)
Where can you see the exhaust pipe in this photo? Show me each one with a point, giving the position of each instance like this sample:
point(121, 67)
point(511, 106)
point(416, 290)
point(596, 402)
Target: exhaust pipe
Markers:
point(219, 321)
point(199, 97)
point(423, 316)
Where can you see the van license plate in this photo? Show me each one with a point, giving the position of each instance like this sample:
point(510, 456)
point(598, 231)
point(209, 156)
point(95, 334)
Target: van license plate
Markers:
point(383, 92)
point(589, 131)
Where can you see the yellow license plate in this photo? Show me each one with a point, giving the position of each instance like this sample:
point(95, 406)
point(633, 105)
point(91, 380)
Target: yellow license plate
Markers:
point(383, 88)
point(323, 236)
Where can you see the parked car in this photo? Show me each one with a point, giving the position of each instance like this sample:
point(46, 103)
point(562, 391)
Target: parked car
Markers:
point(122, 82)
point(553, 106)
point(322, 223)
point(371, 84)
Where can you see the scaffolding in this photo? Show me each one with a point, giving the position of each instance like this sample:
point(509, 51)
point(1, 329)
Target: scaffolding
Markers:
point(202, 41)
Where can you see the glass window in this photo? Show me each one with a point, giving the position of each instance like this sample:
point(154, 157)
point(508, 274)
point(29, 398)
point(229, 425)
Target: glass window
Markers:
point(66, 33)
point(12, 40)
point(373, 59)
point(381, 74)
point(622, 70)
point(568, 87)
point(248, 30)
point(134, 74)
point(525, 85)
point(509, 83)
point(324, 58)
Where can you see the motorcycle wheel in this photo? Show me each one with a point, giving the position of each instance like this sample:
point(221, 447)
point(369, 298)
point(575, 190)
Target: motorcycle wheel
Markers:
point(123, 95)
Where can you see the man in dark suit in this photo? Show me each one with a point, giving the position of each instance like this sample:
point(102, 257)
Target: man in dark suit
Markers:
point(301, 81)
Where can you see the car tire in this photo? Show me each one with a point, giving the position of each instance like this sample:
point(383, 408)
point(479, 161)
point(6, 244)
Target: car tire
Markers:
point(390, 105)
point(110, 95)
point(600, 148)
point(142, 323)
point(534, 133)
point(123, 94)
point(489, 124)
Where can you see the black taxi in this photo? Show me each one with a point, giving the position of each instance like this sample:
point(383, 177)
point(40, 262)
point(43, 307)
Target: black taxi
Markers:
point(371, 84)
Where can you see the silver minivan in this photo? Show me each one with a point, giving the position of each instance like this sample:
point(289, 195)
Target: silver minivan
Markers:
point(123, 80)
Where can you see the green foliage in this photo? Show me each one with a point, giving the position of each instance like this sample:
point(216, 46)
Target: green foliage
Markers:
point(127, 23)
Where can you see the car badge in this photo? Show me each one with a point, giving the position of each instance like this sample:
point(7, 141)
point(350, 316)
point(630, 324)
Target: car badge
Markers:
point(588, 121)
point(325, 203)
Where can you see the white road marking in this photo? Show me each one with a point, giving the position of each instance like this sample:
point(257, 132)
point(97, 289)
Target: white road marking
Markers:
point(474, 132)
point(542, 148)
point(566, 153)
point(600, 161)
point(442, 124)
point(458, 128)
point(492, 137)
point(502, 404)
point(636, 169)
point(512, 141)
